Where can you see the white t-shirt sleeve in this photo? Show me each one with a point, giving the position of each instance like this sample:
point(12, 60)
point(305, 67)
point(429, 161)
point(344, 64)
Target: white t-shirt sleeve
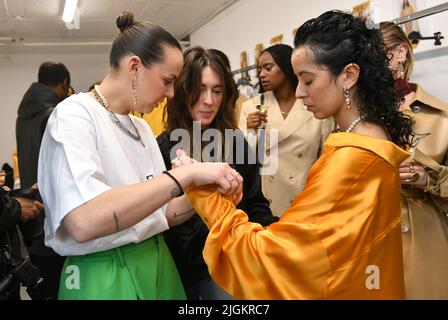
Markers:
point(70, 171)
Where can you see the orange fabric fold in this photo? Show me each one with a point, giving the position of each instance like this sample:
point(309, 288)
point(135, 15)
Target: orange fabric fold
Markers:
point(340, 239)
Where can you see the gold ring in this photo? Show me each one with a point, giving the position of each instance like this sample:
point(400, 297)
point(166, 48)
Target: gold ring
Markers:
point(415, 177)
point(411, 168)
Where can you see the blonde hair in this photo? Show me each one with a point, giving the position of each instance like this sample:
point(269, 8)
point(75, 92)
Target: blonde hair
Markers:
point(393, 35)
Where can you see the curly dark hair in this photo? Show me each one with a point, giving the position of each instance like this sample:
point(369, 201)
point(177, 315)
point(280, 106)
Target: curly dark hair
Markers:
point(187, 91)
point(337, 39)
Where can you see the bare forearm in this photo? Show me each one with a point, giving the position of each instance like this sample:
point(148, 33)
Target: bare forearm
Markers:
point(121, 208)
point(179, 210)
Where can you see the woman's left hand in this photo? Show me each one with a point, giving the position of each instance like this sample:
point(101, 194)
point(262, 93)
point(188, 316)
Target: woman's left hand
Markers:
point(232, 185)
point(413, 175)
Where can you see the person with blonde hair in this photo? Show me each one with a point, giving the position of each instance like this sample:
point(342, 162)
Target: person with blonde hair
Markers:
point(424, 177)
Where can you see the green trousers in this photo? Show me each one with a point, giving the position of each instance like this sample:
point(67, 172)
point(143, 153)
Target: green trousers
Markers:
point(135, 271)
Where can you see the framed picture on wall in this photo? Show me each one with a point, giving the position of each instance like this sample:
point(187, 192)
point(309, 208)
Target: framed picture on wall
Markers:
point(362, 10)
point(258, 48)
point(243, 64)
point(277, 39)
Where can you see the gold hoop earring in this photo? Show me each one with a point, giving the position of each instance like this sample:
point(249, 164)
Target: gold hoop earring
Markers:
point(347, 98)
point(134, 90)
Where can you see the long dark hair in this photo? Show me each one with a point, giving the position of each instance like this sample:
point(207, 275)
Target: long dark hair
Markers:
point(187, 91)
point(337, 39)
point(282, 56)
point(140, 38)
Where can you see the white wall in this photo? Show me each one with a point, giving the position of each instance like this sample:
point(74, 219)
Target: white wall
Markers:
point(239, 28)
point(18, 71)
point(250, 22)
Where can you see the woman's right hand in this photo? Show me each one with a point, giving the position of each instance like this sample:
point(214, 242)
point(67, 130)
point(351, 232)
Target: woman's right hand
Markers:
point(255, 119)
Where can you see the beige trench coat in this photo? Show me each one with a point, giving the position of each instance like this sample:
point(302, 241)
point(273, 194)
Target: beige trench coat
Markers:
point(424, 227)
point(300, 138)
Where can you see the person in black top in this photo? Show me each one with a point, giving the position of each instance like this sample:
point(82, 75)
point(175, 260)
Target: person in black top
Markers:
point(34, 110)
point(203, 106)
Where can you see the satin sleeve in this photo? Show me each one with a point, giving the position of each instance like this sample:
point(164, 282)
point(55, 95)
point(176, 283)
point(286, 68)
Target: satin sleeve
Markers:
point(320, 247)
point(249, 261)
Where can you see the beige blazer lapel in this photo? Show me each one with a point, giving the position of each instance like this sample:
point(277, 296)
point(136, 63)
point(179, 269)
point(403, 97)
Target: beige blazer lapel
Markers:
point(295, 120)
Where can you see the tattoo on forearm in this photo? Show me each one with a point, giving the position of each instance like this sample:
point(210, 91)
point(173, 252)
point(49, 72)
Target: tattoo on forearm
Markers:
point(177, 215)
point(117, 224)
point(175, 192)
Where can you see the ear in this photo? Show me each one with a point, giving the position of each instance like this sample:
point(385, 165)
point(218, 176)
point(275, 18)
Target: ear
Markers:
point(350, 75)
point(134, 63)
point(401, 52)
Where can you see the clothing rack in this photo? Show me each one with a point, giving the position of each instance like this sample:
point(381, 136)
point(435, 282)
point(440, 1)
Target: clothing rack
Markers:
point(434, 53)
point(422, 13)
point(407, 18)
point(245, 69)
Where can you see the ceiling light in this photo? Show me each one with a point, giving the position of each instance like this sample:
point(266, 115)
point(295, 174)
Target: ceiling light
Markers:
point(69, 10)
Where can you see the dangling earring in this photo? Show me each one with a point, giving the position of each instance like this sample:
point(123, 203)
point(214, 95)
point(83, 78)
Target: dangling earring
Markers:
point(134, 90)
point(401, 69)
point(347, 98)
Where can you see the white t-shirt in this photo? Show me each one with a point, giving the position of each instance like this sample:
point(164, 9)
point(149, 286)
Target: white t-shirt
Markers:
point(84, 154)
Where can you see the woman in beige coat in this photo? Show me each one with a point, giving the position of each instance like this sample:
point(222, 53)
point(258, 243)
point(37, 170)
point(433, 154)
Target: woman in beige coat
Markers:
point(300, 135)
point(424, 178)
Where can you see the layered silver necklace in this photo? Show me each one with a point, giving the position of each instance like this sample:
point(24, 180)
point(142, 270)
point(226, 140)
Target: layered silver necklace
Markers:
point(102, 100)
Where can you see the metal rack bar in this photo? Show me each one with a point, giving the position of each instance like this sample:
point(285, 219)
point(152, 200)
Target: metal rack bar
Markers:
point(434, 53)
point(251, 67)
point(416, 15)
point(422, 13)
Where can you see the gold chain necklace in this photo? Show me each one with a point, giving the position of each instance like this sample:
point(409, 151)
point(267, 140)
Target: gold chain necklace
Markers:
point(102, 100)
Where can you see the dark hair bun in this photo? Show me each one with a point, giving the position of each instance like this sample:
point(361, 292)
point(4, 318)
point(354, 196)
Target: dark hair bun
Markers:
point(125, 20)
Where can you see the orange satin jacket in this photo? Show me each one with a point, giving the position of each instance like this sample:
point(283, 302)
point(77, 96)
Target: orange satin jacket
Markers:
point(340, 239)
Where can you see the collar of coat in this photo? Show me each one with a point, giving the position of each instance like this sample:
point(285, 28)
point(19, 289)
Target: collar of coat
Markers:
point(383, 148)
point(428, 100)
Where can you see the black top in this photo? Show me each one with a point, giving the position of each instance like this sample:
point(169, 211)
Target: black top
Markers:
point(186, 241)
point(34, 110)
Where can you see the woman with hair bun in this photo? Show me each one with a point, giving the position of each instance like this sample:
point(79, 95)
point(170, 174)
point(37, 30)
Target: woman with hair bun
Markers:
point(341, 238)
point(107, 194)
